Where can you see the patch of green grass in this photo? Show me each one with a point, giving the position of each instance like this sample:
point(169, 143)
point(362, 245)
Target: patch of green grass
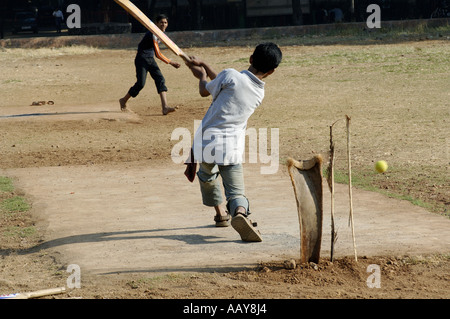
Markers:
point(427, 260)
point(348, 34)
point(11, 81)
point(6, 184)
point(13, 209)
point(21, 232)
point(10, 203)
point(405, 60)
point(412, 200)
point(241, 60)
point(14, 204)
point(365, 181)
point(20, 53)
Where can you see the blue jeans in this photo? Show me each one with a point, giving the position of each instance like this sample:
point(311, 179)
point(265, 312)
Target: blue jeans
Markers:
point(233, 184)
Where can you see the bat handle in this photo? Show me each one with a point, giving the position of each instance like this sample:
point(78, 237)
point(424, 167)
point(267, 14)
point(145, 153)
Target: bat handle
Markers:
point(185, 57)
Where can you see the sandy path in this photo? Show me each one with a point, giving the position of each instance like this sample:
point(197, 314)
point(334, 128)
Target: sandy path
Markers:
point(136, 217)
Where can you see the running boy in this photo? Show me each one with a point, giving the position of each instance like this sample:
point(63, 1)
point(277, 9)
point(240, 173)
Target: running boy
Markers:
point(219, 143)
point(145, 62)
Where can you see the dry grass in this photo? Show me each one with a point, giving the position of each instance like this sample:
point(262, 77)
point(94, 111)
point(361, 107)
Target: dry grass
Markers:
point(397, 95)
point(12, 54)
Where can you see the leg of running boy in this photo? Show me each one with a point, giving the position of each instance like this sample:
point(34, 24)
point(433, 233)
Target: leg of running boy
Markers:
point(141, 77)
point(160, 83)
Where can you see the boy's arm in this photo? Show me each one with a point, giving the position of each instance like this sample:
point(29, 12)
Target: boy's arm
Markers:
point(161, 56)
point(201, 74)
point(202, 87)
point(209, 71)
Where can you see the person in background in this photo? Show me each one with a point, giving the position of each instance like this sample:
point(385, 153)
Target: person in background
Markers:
point(145, 63)
point(59, 18)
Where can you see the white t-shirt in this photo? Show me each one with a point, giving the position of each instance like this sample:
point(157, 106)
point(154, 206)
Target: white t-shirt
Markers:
point(221, 137)
point(58, 14)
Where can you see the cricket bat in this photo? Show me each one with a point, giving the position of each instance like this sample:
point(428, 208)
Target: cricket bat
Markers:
point(153, 28)
point(35, 294)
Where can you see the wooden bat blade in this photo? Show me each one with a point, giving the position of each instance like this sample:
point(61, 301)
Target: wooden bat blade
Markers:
point(153, 28)
point(39, 293)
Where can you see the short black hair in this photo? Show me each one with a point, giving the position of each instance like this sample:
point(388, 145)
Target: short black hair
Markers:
point(161, 16)
point(267, 56)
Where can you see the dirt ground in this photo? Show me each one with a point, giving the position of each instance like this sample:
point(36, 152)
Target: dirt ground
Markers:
point(396, 94)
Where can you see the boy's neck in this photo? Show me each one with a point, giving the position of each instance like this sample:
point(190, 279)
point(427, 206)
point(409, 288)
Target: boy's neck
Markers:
point(259, 75)
point(256, 73)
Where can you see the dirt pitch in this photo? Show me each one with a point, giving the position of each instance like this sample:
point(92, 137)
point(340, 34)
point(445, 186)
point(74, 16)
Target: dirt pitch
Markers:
point(396, 94)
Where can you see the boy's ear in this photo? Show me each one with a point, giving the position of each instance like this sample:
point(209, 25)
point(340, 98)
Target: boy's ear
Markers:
point(269, 73)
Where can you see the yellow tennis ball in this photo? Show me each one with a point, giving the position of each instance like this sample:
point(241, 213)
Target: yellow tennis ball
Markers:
point(381, 166)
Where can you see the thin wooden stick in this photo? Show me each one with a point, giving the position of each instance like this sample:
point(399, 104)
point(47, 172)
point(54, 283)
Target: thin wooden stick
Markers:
point(330, 180)
point(350, 186)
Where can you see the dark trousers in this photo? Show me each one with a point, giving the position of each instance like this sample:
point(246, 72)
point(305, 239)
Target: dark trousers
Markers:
point(58, 22)
point(144, 66)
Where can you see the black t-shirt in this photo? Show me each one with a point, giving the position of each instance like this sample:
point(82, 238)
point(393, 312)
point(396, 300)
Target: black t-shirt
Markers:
point(145, 47)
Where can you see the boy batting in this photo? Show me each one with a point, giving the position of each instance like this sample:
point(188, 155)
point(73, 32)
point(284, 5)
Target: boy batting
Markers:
point(219, 143)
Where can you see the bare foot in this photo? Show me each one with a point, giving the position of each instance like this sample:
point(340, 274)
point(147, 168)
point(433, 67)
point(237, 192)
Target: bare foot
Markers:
point(168, 110)
point(123, 105)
